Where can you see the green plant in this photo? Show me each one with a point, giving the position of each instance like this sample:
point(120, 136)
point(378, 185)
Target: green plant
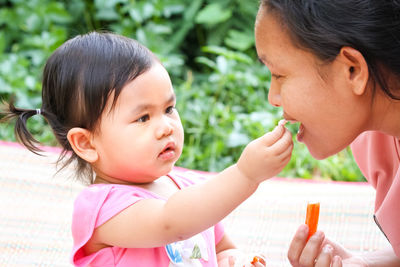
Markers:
point(206, 45)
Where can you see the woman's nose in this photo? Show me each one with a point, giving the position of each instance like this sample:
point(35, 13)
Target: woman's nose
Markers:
point(274, 96)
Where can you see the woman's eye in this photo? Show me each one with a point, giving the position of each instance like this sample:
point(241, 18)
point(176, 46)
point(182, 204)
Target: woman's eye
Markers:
point(170, 109)
point(276, 77)
point(143, 118)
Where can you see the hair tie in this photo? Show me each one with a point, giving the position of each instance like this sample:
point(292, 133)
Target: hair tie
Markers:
point(38, 111)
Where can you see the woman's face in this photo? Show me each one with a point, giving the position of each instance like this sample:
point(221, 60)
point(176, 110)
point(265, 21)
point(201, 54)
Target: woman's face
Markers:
point(317, 95)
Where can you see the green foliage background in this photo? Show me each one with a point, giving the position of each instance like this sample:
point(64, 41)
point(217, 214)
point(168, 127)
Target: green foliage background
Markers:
point(206, 45)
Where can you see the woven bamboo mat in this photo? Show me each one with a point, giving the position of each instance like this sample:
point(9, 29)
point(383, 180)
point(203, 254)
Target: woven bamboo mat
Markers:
point(36, 207)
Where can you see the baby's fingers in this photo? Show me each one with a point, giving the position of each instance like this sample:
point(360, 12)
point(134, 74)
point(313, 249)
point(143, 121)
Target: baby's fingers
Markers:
point(286, 156)
point(284, 144)
point(272, 137)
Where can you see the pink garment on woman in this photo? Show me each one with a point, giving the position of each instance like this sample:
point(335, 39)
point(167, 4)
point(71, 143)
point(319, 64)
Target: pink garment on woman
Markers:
point(378, 156)
point(97, 203)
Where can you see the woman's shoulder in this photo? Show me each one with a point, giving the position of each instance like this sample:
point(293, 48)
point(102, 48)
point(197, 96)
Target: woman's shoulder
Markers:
point(375, 138)
point(377, 155)
point(372, 145)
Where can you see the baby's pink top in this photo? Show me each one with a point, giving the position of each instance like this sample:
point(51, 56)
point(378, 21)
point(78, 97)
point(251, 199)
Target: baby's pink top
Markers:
point(378, 157)
point(98, 203)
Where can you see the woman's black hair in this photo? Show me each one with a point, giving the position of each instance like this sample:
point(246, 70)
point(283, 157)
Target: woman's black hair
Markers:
point(78, 79)
point(325, 26)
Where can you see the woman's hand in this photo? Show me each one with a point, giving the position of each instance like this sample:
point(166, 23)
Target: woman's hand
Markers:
point(319, 251)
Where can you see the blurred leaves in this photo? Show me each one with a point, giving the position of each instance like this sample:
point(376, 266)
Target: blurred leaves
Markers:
point(213, 14)
point(206, 45)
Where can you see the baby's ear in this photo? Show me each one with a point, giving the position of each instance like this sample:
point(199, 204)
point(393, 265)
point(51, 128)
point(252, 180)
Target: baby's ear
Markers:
point(80, 141)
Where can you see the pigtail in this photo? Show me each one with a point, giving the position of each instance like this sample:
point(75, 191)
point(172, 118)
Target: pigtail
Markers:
point(22, 134)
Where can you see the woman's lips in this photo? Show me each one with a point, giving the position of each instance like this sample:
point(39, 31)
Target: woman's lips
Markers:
point(300, 133)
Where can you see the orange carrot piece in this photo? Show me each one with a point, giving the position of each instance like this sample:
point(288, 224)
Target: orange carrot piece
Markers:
point(312, 218)
point(255, 259)
point(258, 259)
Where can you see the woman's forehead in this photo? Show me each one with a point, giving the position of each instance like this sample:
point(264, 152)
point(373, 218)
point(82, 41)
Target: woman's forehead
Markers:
point(272, 41)
point(275, 47)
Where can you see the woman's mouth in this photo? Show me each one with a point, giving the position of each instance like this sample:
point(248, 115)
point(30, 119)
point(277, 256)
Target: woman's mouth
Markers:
point(295, 127)
point(300, 133)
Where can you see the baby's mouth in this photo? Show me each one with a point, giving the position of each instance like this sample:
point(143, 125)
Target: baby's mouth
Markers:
point(168, 151)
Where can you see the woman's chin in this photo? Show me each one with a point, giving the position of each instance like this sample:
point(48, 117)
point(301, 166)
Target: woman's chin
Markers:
point(319, 156)
point(318, 152)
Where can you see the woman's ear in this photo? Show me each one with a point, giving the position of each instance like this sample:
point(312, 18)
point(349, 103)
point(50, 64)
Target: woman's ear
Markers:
point(355, 68)
point(80, 141)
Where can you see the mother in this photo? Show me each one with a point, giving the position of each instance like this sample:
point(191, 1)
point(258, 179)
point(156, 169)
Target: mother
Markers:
point(335, 67)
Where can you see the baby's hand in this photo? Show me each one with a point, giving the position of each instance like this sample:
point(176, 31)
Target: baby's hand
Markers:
point(266, 156)
point(249, 261)
point(236, 258)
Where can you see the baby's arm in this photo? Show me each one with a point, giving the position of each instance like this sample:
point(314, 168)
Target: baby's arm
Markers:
point(153, 223)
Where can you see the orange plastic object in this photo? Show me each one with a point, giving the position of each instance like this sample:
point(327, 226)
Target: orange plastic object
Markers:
point(312, 218)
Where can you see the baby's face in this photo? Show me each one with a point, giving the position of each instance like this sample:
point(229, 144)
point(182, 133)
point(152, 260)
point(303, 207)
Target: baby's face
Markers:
point(142, 137)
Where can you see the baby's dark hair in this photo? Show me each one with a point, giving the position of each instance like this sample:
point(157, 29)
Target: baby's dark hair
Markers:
point(78, 79)
point(323, 27)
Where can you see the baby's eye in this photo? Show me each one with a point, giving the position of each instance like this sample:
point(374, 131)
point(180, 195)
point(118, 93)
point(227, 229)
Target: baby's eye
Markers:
point(169, 109)
point(143, 118)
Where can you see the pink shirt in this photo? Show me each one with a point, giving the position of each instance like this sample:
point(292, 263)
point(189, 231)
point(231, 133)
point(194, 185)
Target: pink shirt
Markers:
point(97, 203)
point(378, 157)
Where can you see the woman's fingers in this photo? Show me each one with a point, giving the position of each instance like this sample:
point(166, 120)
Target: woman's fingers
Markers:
point(297, 245)
point(307, 254)
point(337, 261)
point(325, 257)
point(337, 249)
point(312, 249)
point(303, 253)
